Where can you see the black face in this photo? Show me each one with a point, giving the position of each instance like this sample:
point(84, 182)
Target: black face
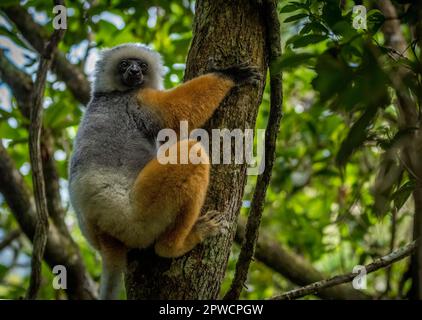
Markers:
point(132, 72)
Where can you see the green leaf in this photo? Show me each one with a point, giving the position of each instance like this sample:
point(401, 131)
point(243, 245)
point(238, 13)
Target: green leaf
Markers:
point(345, 30)
point(7, 132)
point(296, 17)
point(403, 193)
point(375, 20)
point(55, 113)
point(306, 29)
point(303, 41)
point(290, 8)
point(333, 75)
point(7, 3)
point(292, 61)
point(314, 26)
point(356, 136)
point(331, 13)
point(3, 271)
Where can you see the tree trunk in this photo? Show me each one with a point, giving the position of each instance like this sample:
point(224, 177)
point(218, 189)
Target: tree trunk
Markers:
point(230, 32)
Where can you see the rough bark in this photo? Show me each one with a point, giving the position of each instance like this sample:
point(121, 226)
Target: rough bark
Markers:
point(230, 32)
point(38, 181)
point(271, 133)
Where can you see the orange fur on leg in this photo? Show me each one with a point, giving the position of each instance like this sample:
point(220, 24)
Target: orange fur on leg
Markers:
point(169, 197)
point(193, 101)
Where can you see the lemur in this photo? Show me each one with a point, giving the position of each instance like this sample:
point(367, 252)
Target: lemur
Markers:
point(123, 195)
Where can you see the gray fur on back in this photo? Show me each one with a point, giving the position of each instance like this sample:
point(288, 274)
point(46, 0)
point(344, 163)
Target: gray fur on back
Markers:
point(115, 133)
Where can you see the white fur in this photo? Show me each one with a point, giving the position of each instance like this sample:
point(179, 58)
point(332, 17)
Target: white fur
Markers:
point(101, 199)
point(106, 77)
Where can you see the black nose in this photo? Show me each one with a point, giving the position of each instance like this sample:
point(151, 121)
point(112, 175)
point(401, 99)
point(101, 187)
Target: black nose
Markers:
point(134, 71)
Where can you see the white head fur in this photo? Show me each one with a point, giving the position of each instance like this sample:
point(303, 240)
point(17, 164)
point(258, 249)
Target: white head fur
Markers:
point(106, 77)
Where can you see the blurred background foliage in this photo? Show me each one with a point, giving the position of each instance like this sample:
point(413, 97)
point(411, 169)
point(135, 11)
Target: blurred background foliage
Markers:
point(339, 120)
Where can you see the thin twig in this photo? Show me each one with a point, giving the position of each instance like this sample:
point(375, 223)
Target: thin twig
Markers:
point(22, 87)
point(257, 206)
point(379, 263)
point(17, 196)
point(294, 267)
point(41, 230)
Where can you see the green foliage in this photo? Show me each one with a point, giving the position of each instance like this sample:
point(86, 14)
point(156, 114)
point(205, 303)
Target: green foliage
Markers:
point(338, 121)
point(339, 118)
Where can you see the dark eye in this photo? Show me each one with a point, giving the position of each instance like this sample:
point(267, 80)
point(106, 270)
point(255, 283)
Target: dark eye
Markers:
point(144, 66)
point(123, 65)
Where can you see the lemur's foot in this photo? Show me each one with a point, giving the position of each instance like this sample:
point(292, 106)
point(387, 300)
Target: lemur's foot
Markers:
point(241, 74)
point(210, 224)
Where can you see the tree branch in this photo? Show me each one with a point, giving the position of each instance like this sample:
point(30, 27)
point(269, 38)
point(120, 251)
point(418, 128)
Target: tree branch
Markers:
point(22, 86)
point(273, 126)
point(41, 230)
point(394, 39)
point(382, 262)
point(37, 36)
point(391, 28)
point(294, 267)
point(60, 248)
point(19, 82)
point(9, 238)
